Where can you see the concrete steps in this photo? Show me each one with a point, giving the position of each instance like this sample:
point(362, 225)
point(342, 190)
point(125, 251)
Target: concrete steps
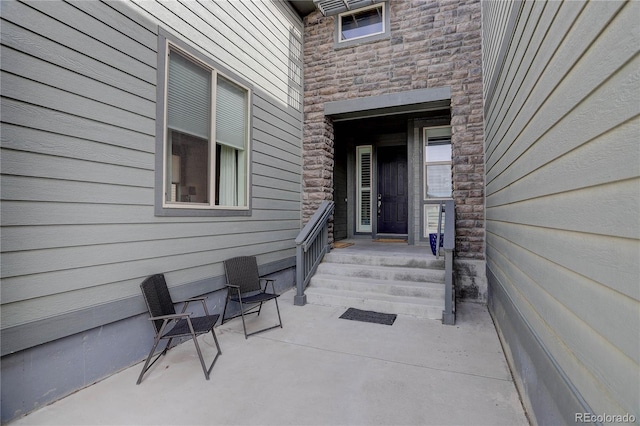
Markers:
point(405, 284)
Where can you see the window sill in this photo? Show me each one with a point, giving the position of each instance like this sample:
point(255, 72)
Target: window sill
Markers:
point(359, 41)
point(201, 212)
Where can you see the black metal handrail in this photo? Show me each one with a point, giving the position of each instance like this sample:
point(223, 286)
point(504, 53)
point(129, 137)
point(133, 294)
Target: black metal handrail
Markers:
point(311, 245)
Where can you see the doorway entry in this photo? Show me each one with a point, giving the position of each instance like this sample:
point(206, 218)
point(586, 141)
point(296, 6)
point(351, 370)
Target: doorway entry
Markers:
point(392, 198)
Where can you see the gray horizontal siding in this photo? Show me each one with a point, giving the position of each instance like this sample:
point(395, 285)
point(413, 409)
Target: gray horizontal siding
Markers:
point(179, 255)
point(75, 147)
point(46, 45)
point(563, 191)
point(44, 19)
point(26, 213)
point(78, 157)
point(261, 58)
point(498, 20)
point(42, 118)
point(28, 335)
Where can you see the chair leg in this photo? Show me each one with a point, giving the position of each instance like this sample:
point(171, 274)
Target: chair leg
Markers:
point(166, 348)
point(215, 358)
point(224, 311)
point(215, 339)
point(244, 326)
point(278, 310)
point(204, 367)
point(146, 364)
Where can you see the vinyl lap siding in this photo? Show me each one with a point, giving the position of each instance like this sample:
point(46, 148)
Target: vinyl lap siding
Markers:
point(78, 155)
point(495, 29)
point(562, 189)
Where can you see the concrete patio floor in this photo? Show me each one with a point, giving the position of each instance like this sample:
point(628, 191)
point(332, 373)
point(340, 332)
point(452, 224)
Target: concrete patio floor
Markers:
point(317, 370)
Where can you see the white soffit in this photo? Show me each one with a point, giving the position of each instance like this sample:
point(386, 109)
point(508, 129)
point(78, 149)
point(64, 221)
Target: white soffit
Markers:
point(334, 7)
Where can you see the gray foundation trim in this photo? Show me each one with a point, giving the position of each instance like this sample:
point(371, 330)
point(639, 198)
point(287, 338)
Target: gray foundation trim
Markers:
point(394, 103)
point(25, 336)
point(548, 395)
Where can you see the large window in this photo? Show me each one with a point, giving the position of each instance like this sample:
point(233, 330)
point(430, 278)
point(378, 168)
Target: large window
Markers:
point(206, 139)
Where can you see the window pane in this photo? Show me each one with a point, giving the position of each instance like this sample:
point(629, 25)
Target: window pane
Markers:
point(431, 219)
point(359, 24)
point(438, 180)
point(231, 176)
point(438, 151)
point(189, 159)
point(231, 114)
point(188, 97)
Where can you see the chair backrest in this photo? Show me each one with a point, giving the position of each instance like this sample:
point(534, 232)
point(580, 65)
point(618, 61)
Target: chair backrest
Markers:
point(243, 271)
point(157, 297)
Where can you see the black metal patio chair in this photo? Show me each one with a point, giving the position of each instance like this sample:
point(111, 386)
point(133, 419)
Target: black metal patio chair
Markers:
point(164, 317)
point(244, 287)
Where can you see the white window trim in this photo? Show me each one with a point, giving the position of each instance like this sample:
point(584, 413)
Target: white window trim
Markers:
point(170, 46)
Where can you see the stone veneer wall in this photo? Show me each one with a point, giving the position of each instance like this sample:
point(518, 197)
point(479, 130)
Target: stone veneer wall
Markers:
point(432, 44)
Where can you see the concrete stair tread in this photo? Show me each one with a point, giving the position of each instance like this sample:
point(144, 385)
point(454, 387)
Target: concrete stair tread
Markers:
point(374, 282)
point(377, 259)
point(395, 273)
point(412, 306)
point(347, 294)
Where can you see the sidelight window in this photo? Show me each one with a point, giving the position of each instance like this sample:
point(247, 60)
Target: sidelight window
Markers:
point(363, 170)
point(437, 162)
point(437, 175)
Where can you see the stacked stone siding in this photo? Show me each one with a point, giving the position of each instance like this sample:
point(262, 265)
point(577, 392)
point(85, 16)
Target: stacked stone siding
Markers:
point(434, 43)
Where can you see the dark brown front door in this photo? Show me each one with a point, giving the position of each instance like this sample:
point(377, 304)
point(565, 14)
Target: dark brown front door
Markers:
point(392, 190)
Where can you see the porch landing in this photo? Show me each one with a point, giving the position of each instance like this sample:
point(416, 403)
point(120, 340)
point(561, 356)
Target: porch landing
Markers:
point(317, 370)
point(391, 247)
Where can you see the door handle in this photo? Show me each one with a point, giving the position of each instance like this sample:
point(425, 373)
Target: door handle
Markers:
point(379, 203)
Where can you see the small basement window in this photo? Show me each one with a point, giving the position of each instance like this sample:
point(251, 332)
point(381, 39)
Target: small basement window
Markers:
point(366, 24)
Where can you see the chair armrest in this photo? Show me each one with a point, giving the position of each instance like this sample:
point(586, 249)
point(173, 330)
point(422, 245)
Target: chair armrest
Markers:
point(195, 299)
point(172, 316)
point(267, 281)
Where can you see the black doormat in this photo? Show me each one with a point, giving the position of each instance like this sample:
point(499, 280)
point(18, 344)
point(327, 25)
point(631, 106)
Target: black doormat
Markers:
point(368, 316)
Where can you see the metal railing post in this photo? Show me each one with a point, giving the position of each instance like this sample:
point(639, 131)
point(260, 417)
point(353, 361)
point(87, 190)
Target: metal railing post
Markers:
point(449, 313)
point(300, 299)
